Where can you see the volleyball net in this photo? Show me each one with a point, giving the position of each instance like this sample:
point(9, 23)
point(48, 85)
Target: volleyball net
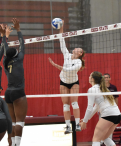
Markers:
point(102, 54)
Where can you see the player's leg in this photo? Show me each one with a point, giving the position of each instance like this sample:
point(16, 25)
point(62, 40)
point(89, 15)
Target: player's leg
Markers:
point(12, 114)
point(101, 129)
point(3, 128)
point(20, 109)
point(20, 106)
point(66, 107)
point(75, 106)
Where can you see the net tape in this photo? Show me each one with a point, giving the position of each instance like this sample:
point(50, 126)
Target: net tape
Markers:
point(68, 34)
point(75, 94)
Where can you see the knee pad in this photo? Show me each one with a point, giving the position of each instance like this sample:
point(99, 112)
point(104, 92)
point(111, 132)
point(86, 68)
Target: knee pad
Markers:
point(20, 124)
point(66, 107)
point(13, 124)
point(75, 105)
point(109, 142)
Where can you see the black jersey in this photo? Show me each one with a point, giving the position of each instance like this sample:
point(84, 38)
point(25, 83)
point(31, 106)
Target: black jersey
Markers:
point(0, 77)
point(4, 114)
point(15, 71)
point(1, 49)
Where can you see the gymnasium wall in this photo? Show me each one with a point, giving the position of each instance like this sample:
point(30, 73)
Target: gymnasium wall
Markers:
point(42, 78)
point(105, 13)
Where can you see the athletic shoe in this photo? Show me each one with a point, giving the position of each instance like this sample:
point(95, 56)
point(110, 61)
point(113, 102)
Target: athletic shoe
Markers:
point(68, 130)
point(78, 128)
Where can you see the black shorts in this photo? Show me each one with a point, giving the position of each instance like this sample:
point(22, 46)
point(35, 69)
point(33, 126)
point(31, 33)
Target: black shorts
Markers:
point(12, 95)
point(113, 119)
point(3, 125)
point(69, 86)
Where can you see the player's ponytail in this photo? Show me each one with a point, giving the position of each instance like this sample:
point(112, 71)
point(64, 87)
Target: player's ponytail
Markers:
point(83, 61)
point(10, 53)
point(99, 79)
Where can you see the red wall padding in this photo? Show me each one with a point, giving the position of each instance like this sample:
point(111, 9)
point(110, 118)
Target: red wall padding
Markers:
point(42, 78)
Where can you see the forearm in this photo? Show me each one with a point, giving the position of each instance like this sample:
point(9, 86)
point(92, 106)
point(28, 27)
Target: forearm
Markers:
point(5, 44)
point(58, 66)
point(87, 116)
point(95, 109)
point(61, 30)
point(89, 109)
point(21, 40)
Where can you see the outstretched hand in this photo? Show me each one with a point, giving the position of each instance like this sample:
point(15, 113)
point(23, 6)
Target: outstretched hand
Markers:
point(83, 125)
point(8, 31)
point(2, 29)
point(16, 24)
point(61, 29)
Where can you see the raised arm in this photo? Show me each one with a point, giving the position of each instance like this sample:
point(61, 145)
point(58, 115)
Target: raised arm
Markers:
point(4, 42)
point(6, 111)
point(20, 37)
point(54, 64)
point(22, 47)
point(8, 31)
point(64, 50)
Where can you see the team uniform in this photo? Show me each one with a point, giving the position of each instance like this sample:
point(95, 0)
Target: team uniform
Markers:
point(68, 75)
point(14, 72)
point(5, 119)
point(107, 111)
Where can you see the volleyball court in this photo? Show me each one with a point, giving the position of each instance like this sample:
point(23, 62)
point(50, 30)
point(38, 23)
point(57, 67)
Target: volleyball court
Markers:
point(42, 79)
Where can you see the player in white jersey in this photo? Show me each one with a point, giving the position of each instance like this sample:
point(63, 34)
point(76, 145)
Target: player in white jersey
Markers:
point(110, 113)
point(69, 82)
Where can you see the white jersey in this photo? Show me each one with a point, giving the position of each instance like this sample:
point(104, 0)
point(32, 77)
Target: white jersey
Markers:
point(101, 104)
point(70, 67)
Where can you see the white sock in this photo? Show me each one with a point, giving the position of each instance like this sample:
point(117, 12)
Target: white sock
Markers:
point(77, 120)
point(67, 122)
point(17, 140)
point(96, 144)
point(13, 141)
point(111, 136)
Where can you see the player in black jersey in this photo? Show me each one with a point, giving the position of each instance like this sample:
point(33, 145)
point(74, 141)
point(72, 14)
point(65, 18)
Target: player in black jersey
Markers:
point(2, 50)
point(15, 95)
point(5, 119)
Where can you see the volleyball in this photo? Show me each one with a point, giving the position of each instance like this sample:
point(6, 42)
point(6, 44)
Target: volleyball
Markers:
point(57, 23)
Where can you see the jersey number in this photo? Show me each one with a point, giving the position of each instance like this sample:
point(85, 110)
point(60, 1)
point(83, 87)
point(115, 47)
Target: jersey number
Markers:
point(10, 68)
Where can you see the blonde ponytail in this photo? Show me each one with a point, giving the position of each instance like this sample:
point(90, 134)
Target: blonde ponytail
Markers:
point(99, 79)
point(103, 88)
